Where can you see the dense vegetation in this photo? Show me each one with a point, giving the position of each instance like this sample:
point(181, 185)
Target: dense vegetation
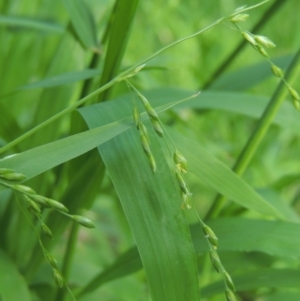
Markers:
point(119, 180)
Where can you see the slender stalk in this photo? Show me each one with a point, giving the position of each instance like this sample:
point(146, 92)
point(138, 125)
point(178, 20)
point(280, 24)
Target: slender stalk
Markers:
point(260, 131)
point(120, 77)
point(68, 258)
point(227, 62)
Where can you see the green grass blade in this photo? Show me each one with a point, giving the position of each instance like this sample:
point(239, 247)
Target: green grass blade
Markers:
point(83, 23)
point(250, 76)
point(151, 203)
point(267, 278)
point(118, 37)
point(30, 23)
point(275, 238)
point(12, 285)
point(217, 175)
point(62, 79)
point(241, 103)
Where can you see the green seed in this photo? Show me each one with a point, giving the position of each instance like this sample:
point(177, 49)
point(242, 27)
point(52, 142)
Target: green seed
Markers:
point(14, 176)
point(150, 111)
point(186, 200)
point(262, 50)
point(239, 18)
point(294, 93)
point(145, 144)
point(180, 161)
point(23, 189)
point(249, 37)
point(47, 231)
point(4, 171)
point(83, 221)
point(155, 123)
point(211, 236)
point(33, 207)
point(182, 183)
point(228, 281)
point(264, 41)
point(277, 71)
point(136, 117)
point(230, 295)
point(51, 261)
point(49, 203)
point(58, 278)
point(296, 104)
point(144, 131)
point(215, 259)
point(152, 162)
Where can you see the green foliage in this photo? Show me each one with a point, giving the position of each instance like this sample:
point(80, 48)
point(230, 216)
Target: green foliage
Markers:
point(106, 144)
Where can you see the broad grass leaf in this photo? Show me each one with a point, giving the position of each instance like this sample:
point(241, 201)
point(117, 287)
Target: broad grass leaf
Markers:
point(266, 278)
point(83, 23)
point(250, 76)
point(237, 102)
point(151, 203)
point(31, 23)
point(62, 79)
point(13, 286)
point(276, 238)
point(218, 176)
point(40, 159)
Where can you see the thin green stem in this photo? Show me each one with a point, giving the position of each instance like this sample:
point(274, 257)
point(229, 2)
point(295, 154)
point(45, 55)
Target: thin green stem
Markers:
point(260, 131)
point(227, 62)
point(68, 258)
point(127, 73)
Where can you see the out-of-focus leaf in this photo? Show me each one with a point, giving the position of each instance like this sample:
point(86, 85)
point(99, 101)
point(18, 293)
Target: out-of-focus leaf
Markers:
point(82, 22)
point(12, 285)
point(30, 23)
point(249, 105)
point(250, 76)
point(119, 31)
point(151, 202)
point(62, 79)
point(262, 278)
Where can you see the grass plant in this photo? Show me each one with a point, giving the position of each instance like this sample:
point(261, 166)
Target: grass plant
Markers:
point(115, 172)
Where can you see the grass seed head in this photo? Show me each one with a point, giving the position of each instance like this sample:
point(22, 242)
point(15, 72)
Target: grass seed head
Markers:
point(51, 260)
point(186, 200)
point(262, 50)
point(296, 104)
point(294, 93)
point(4, 171)
point(211, 236)
point(33, 207)
point(152, 162)
point(23, 189)
point(239, 18)
point(277, 71)
point(264, 41)
point(182, 183)
point(249, 37)
point(230, 295)
point(83, 221)
point(59, 280)
point(215, 259)
point(158, 129)
point(228, 281)
point(145, 144)
point(180, 161)
point(47, 231)
point(13, 176)
point(136, 117)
